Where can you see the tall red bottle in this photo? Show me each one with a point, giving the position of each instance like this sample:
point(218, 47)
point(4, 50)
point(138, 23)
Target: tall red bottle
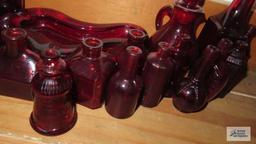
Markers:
point(54, 109)
point(232, 23)
point(17, 64)
point(91, 73)
point(192, 93)
point(156, 75)
point(125, 86)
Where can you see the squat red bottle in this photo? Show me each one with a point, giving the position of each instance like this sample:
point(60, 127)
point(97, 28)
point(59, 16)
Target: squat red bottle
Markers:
point(54, 110)
point(17, 64)
point(125, 86)
point(156, 75)
point(91, 73)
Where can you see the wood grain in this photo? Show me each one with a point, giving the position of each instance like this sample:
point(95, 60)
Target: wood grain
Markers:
point(162, 125)
point(140, 12)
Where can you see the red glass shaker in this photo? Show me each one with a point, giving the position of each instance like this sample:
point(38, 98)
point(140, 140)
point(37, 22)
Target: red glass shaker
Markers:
point(91, 73)
point(156, 75)
point(220, 73)
point(191, 95)
point(125, 86)
point(16, 56)
point(54, 109)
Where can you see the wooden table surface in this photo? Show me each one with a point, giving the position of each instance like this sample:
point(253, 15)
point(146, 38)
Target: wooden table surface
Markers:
point(160, 125)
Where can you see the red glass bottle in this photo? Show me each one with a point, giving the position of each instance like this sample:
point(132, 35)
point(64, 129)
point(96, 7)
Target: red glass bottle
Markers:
point(192, 94)
point(156, 75)
point(91, 73)
point(125, 86)
point(220, 73)
point(237, 62)
point(183, 20)
point(17, 64)
point(232, 23)
point(54, 110)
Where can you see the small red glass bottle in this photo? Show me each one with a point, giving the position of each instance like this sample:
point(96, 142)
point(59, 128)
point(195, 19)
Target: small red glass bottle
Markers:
point(125, 86)
point(156, 75)
point(54, 110)
point(17, 64)
point(91, 73)
point(220, 74)
point(191, 95)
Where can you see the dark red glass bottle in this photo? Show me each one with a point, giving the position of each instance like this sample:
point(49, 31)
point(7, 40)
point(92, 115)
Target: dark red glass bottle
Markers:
point(232, 23)
point(183, 20)
point(192, 94)
point(220, 73)
point(17, 64)
point(237, 62)
point(54, 110)
point(125, 86)
point(156, 75)
point(91, 73)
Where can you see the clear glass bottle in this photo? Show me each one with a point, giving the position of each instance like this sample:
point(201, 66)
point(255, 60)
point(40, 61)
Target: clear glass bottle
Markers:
point(192, 93)
point(54, 110)
point(17, 64)
point(91, 73)
point(156, 75)
point(125, 86)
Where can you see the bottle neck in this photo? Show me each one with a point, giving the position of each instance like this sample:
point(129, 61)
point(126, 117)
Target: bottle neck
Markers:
point(129, 66)
point(204, 65)
point(15, 48)
point(238, 13)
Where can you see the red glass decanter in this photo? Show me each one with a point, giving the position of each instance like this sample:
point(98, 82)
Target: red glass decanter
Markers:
point(182, 21)
point(237, 62)
point(125, 86)
point(220, 73)
point(17, 64)
point(156, 75)
point(91, 73)
point(54, 109)
point(191, 95)
point(232, 23)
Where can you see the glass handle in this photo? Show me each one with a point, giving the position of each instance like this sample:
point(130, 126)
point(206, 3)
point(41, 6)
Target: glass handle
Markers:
point(201, 19)
point(165, 11)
